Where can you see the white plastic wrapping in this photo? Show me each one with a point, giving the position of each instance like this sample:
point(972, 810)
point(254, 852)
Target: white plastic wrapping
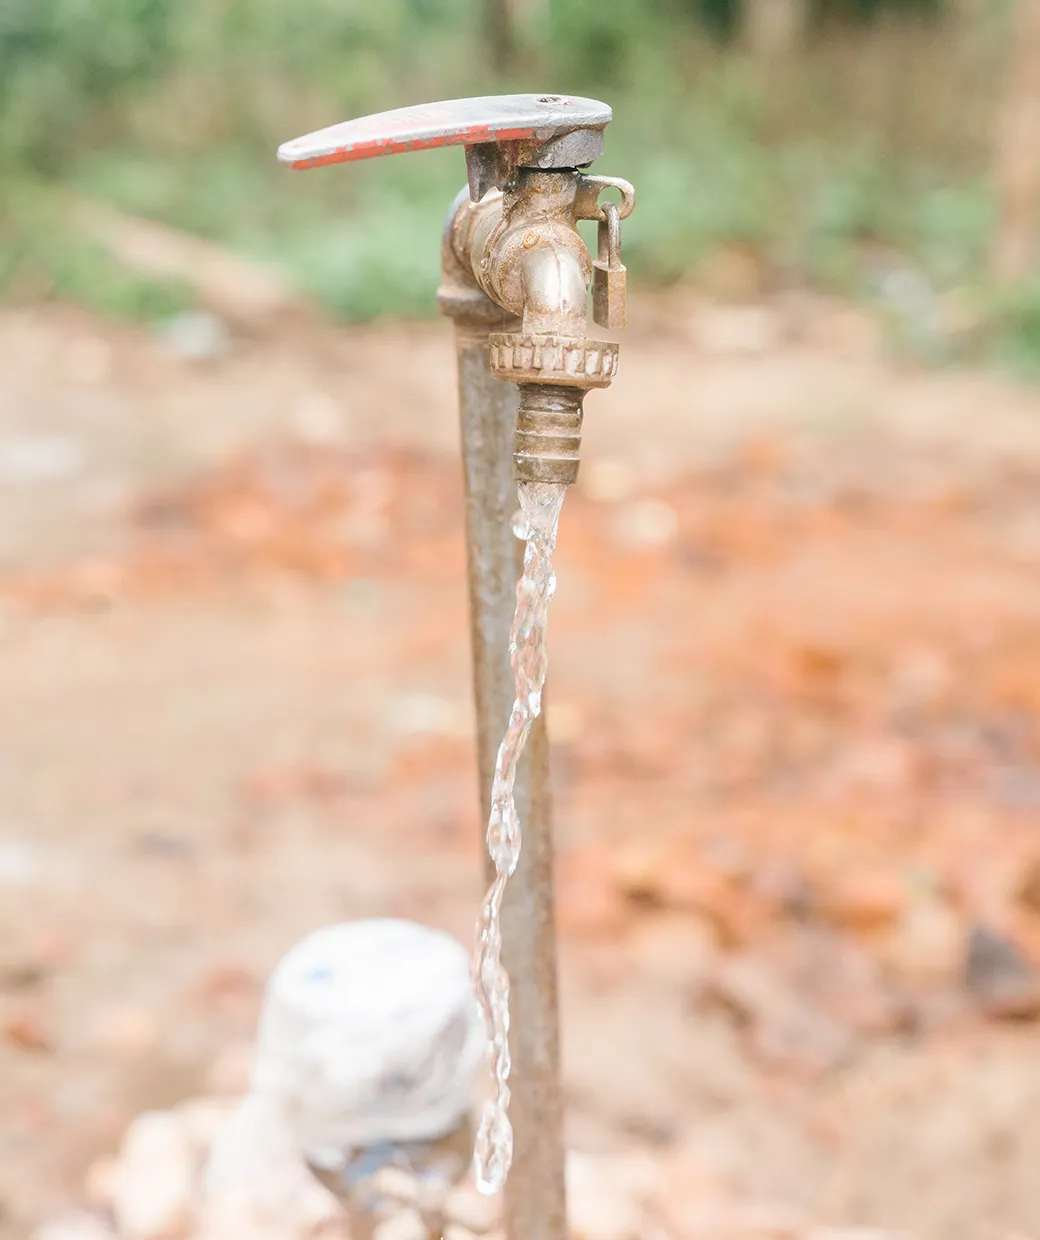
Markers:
point(369, 1033)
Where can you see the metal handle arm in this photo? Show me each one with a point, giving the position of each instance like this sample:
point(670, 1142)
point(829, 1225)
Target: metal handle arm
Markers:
point(500, 133)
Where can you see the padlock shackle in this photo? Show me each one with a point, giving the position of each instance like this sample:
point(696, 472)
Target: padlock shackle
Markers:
point(608, 235)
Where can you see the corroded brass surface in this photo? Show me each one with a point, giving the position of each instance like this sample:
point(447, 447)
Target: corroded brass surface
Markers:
point(548, 433)
point(566, 361)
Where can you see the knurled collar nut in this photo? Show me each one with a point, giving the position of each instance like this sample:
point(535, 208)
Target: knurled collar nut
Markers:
point(519, 357)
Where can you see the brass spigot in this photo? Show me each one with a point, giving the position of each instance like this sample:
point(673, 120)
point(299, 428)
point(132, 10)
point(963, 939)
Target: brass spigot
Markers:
point(524, 251)
point(516, 239)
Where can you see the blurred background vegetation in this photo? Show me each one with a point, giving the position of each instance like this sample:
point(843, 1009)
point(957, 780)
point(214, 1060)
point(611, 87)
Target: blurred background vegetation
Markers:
point(842, 144)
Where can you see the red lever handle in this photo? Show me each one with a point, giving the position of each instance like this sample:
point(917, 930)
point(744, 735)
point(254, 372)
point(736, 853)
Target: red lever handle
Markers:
point(456, 122)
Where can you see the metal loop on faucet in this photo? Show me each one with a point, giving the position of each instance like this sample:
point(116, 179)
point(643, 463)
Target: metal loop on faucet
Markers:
point(586, 202)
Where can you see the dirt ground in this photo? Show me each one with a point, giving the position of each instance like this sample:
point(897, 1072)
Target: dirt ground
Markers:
point(794, 716)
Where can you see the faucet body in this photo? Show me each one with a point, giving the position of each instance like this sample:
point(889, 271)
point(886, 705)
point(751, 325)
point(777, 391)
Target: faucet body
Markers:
point(521, 247)
point(515, 280)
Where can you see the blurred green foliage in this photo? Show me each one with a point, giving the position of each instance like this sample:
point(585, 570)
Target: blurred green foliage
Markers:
point(823, 12)
point(172, 109)
point(62, 60)
point(1015, 338)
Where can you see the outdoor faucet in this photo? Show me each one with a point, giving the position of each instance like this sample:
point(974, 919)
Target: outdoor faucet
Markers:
point(515, 279)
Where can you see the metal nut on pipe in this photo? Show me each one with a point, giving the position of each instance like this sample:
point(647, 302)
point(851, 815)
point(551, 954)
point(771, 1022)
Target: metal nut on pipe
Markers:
point(564, 361)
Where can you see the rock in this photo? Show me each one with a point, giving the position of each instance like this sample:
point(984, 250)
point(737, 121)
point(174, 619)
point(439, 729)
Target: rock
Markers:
point(154, 1180)
point(469, 1208)
point(256, 1186)
point(99, 1182)
point(250, 1149)
point(402, 1225)
point(396, 1184)
point(454, 1231)
point(1000, 978)
point(926, 946)
point(315, 1208)
point(285, 1203)
point(269, 1212)
point(330, 1229)
point(77, 1226)
point(395, 1174)
point(203, 1120)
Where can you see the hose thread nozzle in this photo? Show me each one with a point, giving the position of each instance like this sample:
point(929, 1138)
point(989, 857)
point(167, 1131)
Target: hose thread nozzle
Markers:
point(548, 433)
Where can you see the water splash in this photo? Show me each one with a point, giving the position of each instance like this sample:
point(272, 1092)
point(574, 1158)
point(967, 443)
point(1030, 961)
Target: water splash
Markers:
point(539, 516)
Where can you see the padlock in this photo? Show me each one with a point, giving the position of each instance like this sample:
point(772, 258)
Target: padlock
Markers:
point(609, 276)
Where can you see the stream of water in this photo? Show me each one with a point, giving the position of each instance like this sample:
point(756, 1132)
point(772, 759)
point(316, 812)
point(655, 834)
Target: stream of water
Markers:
point(537, 522)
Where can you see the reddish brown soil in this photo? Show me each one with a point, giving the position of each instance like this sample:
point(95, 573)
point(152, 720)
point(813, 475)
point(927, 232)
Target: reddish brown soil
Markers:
point(794, 709)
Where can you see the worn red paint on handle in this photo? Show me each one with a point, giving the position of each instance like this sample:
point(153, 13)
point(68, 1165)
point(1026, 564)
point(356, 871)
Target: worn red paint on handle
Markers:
point(396, 146)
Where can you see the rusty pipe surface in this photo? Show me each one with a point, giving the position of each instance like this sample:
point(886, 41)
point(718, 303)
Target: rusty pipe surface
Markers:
point(535, 1207)
point(535, 1202)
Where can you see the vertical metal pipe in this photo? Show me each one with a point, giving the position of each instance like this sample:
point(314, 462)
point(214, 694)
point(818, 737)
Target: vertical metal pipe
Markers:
point(535, 1206)
point(487, 418)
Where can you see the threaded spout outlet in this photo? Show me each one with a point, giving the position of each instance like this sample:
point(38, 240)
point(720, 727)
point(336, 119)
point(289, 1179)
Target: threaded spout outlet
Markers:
point(548, 433)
